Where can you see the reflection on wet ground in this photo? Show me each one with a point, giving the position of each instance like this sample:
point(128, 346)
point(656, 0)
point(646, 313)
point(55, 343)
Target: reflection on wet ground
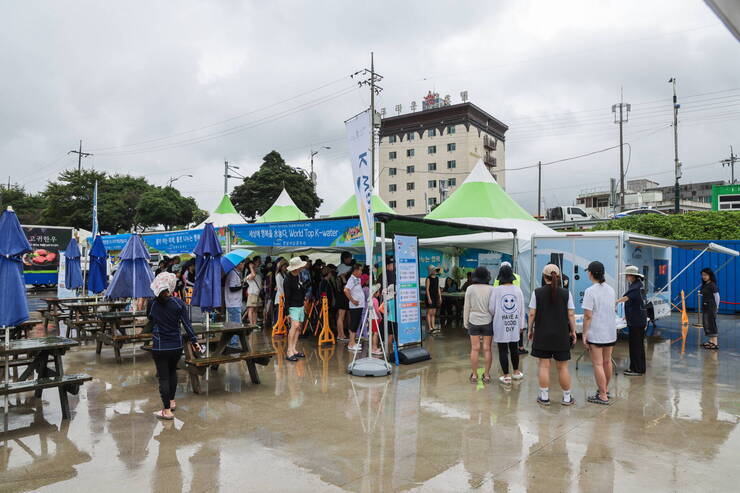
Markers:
point(311, 427)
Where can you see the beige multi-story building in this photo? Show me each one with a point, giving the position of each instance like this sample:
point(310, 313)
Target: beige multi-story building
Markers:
point(426, 155)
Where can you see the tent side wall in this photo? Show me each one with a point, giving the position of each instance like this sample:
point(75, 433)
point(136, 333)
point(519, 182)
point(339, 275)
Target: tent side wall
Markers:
point(727, 278)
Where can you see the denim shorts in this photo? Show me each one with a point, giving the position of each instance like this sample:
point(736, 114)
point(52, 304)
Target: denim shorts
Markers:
point(297, 314)
point(480, 330)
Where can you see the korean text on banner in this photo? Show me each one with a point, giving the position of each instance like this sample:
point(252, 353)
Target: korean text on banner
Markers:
point(359, 138)
point(408, 309)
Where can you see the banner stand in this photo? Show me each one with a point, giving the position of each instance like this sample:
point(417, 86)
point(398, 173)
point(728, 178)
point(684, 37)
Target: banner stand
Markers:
point(408, 305)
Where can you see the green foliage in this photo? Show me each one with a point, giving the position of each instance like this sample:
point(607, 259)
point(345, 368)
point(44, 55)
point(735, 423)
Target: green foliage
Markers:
point(199, 216)
point(258, 192)
point(69, 200)
point(165, 206)
point(27, 207)
point(709, 225)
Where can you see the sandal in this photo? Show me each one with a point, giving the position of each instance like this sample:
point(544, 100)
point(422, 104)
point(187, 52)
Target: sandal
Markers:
point(596, 399)
point(293, 357)
point(504, 380)
point(473, 378)
point(161, 415)
point(486, 378)
point(710, 345)
point(300, 355)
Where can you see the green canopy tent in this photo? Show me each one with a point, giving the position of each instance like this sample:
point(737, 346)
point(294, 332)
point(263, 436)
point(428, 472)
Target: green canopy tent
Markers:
point(224, 215)
point(284, 209)
point(349, 207)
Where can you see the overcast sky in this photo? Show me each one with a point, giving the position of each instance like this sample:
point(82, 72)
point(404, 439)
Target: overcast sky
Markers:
point(161, 88)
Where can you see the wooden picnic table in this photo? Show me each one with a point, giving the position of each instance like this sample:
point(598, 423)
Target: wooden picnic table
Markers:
point(113, 330)
point(35, 355)
point(20, 331)
point(196, 365)
point(83, 316)
point(55, 311)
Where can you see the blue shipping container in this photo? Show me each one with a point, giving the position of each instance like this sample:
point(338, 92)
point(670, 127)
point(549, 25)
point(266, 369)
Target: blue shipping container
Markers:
point(728, 279)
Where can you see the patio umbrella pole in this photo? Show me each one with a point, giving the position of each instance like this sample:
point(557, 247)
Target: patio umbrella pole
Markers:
point(5, 403)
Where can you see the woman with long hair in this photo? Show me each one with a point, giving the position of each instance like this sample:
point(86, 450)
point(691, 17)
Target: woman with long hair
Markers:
point(709, 307)
point(507, 313)
point(342, 305)
point(599, 329)
point(434, 298)
point(477, 321)
point(552, 330)
point(166, 313)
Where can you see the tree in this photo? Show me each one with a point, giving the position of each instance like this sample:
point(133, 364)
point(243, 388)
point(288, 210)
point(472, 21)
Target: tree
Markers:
point(28, 207)
point(118, 197)
point(199, 216)
point(258, 192)
point(708, 225)
point(167, 207)
point(69, 199)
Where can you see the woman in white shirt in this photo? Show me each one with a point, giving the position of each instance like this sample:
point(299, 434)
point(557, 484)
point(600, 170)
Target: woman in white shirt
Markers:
point(507, 314)
point(282, 269)
point(599, 329)
point(477, 321)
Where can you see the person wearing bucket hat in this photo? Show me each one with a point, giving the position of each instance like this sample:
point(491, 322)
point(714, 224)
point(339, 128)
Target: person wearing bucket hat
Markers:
point(294, 289)
point(166, 313)
point(433, 298)
point(552, 330)
point(477, 321)
point(635, 314)
point(599, 329)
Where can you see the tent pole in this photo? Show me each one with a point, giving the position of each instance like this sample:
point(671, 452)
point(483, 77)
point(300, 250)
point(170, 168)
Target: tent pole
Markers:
point(668, 284)
point(515, 253)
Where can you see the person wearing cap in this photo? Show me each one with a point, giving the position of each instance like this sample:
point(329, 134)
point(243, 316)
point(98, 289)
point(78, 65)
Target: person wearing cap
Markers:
point(357, 302)
point(477, 321)
point(294, 289)
point(166, 313)
point(552, 330)
point(635, 314)
point(507, 314)
point(433, 297)
point(599, 329)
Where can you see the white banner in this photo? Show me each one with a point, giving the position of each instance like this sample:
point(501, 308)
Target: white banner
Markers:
point(359, 137)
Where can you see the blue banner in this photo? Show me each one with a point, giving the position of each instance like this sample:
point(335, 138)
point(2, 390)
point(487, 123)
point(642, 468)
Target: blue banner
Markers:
point(334, 233)
point(408, 308)
point(170, 242)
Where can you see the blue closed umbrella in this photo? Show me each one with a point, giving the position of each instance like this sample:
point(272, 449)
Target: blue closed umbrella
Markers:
point(72, 270)
point(207, 288)
point(133, 277)
point(13, 244)
point(234, 258)
point(97, 276)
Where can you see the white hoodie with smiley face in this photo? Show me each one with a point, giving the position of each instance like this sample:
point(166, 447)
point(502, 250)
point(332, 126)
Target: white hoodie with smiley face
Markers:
point(507, 311)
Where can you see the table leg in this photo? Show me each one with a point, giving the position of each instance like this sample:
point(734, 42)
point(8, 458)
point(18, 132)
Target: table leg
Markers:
point(194, 381)
point(117, 350)
point(251, 365)
point(63, 400)
point(43, 360)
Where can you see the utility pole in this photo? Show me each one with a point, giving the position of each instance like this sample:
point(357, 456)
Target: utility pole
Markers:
point(371, 81)
point(229, 167)
point(624, 112)
point(539, 190)
point(80, 155)
point(676, 162)
point(725, 162)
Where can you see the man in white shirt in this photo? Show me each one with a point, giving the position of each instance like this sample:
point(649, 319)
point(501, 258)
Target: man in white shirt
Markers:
point(233, 299)
point(356, 296)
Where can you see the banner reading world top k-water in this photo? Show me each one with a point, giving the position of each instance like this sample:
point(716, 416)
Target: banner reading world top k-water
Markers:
point(359, 139)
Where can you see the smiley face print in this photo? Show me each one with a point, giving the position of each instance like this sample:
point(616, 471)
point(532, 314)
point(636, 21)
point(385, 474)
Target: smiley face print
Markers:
point(508, 303)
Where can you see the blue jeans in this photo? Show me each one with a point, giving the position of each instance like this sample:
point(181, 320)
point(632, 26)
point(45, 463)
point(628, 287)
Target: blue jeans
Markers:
point(234, 315)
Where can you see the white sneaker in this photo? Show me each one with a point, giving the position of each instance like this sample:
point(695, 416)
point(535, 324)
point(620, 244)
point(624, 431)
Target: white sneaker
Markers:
point(503, 379)
point(517, 376)
point(356, 347)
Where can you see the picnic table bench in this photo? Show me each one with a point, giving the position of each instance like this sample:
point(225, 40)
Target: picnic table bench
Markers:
point(112, 331)
point(20, 331)
point(54, 310)
point(196, 365)
point(83, 316)
point(37, 354)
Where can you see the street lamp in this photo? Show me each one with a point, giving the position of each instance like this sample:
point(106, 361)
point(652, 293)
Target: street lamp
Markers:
point(313, 153)
point(173, 180)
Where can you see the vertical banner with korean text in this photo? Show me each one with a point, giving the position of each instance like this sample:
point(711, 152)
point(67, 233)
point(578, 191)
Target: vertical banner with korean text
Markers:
point(359, 138)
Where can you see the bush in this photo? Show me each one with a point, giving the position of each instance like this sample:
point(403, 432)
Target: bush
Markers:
point(709, 225)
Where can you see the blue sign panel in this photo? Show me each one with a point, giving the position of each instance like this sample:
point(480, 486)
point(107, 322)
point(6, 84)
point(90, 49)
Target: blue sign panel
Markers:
point(171, 242)
point(408, 308)
point(335, 233)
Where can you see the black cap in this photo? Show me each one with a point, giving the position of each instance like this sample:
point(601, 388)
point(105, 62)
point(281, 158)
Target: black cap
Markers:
point(595, 268)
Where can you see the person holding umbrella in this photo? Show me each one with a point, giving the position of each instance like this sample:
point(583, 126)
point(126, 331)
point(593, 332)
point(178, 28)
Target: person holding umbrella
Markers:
point(635, 314)
point(295, 294)
point(167, 312)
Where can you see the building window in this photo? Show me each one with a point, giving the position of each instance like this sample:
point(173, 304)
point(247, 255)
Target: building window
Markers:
point(432, 201)
point(432, 184)
point(410, 136)
point(451, 164)
point(409, 153)
point(410, 185)
point(451, 147)
point(391, 139)
point(432, 167)
point(392, 155)
point(392, 187)
point(432, 150)
point(432, 132)
point(409, 169)
point(410, 203)
point(392, 204)
point(451, 182)
point(450, 129)
point(392, 171)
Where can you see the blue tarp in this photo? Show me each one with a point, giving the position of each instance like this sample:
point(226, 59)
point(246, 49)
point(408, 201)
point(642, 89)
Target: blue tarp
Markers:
point(727, 278)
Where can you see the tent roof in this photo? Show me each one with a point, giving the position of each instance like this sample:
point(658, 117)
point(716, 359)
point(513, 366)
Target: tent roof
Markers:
point(429, 228)
point(223, 215)
point(479, 197)
point(283, 209)
point(349, 207)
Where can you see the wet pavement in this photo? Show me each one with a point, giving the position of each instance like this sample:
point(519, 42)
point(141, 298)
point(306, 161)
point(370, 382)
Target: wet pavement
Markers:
point(310, 427)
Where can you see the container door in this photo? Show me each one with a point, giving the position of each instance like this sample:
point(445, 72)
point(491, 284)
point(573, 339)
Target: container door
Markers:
point(606, 251)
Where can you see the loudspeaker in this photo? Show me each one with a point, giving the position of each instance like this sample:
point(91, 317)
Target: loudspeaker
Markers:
point(408, 356)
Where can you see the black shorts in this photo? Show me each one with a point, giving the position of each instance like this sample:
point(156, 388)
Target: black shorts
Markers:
point(602, 344)
point(434, 304)
point(393, 329)
point(556, 355)
point(480, 330)
point(355, 319)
